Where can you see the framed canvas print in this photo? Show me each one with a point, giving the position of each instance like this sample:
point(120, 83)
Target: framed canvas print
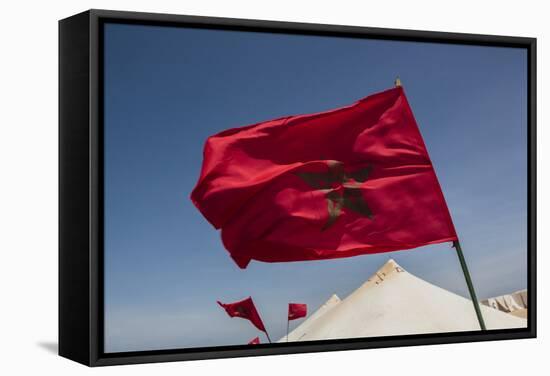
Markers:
point(238, 187)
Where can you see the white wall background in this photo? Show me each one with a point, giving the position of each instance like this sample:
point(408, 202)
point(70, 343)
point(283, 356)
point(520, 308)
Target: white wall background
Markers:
point(28, 184)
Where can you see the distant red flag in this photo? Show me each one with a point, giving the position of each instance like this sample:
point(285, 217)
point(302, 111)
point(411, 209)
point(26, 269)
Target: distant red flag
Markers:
point(296, 310)
point(350, 181)
point(255, 341)
point(244, 309)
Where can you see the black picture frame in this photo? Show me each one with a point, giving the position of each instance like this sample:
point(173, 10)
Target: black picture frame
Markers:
point(81, 201)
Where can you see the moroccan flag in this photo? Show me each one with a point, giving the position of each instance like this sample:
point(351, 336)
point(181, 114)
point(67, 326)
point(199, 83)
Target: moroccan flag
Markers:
point(346, 182)
point(296, 310)
point(254, 341)
point(244, 309)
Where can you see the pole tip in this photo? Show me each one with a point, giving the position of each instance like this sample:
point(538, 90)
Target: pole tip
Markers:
point(397, 82)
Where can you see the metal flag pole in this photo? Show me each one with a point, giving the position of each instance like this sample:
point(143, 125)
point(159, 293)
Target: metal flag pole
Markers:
point(287, 326)
point(456, 245)
point(397, 82)
point(267, 335)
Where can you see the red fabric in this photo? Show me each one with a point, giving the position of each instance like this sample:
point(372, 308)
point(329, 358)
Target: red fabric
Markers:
point(244, 309)
point(296, 310)
point(351, 181)
point(254, 341)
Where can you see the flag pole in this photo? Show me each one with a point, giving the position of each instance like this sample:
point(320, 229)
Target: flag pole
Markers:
point(267, 335)
point(456, 245)
point(397, 82)
point(287, 326)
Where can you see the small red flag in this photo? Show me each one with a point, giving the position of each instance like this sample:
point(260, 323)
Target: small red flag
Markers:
point(254, 341)
point(296, 310)
point(346, 182)
point(244, 309)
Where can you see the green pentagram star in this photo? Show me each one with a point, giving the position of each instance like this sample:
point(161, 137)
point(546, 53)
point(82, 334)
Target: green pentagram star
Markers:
point(350, 197)
point(242, 311)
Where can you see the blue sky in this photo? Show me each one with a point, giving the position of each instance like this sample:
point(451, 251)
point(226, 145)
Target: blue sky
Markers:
point(167, 89)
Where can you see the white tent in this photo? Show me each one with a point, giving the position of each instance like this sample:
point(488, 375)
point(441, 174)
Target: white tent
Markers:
point(395, 302)
point(514, 303)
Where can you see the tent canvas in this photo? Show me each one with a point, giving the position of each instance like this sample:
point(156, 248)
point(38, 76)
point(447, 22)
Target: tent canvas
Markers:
point(395, 302)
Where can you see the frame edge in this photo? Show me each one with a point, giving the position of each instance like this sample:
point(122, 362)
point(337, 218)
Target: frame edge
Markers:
point(73, 257)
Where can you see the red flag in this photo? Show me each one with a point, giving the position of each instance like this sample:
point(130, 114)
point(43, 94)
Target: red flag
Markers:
point(296, 310)
point(350, 181)
point(244, 309)
point(254, 341)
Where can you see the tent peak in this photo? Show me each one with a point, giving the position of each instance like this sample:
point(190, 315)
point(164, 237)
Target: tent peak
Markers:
point(389, 269)
point(392, 262)
point(390, 266)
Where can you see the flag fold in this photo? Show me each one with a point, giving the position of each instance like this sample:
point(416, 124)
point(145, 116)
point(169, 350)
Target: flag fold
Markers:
point(244, 309)
point(296, 311)
point(346, 182)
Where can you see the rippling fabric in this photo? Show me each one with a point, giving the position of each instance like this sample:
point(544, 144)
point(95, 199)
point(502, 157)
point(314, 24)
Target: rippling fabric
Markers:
point(245, 309)
point(346, 182)
point(296, 311)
